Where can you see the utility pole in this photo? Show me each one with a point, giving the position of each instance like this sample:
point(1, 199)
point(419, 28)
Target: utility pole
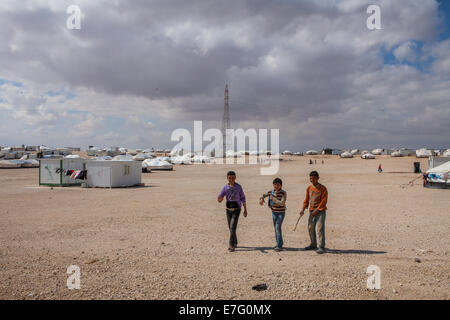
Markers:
point(225, 121)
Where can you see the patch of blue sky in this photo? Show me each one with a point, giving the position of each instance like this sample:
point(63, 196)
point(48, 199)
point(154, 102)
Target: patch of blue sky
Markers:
point(444, 12)
point(14, 83)
point(421, 62)
point(77, 112)
point(61, 92)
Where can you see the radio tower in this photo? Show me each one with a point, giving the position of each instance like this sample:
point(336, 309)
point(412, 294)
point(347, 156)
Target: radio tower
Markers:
point(225, 121)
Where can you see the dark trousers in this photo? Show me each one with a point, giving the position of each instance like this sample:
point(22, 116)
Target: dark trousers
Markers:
point(233, 218)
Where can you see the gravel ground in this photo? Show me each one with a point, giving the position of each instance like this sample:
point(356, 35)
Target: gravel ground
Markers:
point(168, 240)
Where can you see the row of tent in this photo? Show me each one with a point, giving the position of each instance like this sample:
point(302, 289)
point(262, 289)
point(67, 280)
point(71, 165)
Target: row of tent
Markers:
point(366, 154)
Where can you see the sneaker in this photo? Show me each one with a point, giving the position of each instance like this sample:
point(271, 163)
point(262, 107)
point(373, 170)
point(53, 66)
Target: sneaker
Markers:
point(320, 250)
point(310, 247)
point(231, 249)
point(278, 249)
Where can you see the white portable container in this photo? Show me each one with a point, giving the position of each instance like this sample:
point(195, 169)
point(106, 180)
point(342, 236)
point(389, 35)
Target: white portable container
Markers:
point(49, 175)
point(112, 174)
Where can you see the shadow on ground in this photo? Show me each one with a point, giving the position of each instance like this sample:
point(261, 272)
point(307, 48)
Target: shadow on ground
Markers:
point(264, 249)
point(350, 251)
point(332, 251)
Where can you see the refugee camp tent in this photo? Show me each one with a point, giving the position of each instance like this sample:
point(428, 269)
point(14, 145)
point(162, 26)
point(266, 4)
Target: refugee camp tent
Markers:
point(9, 164)
point(287, 153)
point(72, 156)
point(201, 159)
point(439, 175)
point(396, 154)
point(354, 151)
point(311, 152)
point(123, 157)
point(103, 158)
point(168, 159)
point(377, 152)
point(142, 156)
point(53, 172)
point(368, 156)
point(31, 163)
point(346, 155)
point(112, 174)
point(181, 160)
point(423, 153)
point(447, 153)
point(155, 164)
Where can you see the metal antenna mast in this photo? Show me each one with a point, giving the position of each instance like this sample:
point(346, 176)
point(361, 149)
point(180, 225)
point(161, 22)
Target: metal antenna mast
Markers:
point(226, 120)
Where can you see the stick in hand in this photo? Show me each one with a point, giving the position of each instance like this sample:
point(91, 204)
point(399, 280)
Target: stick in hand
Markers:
point(297, 222)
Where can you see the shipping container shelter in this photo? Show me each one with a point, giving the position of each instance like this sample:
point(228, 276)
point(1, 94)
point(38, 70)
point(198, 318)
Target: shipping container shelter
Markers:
point(53, 172)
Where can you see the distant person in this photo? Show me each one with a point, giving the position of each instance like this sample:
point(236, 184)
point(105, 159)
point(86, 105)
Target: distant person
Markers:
point(235, 199)
point(277, 203)
point(379, 169)
point(310, 161)
point(316, 199)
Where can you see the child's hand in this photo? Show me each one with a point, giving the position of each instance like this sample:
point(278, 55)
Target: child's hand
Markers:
point(245, 213)
point(261, 202)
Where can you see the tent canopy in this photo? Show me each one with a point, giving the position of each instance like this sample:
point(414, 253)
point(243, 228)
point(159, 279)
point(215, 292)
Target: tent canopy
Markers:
point(443, 168)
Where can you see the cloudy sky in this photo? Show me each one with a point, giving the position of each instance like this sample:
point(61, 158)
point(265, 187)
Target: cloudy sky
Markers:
point(136, 70)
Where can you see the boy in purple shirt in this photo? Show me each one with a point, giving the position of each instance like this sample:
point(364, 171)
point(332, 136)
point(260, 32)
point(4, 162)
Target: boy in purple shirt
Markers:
point(235, 199)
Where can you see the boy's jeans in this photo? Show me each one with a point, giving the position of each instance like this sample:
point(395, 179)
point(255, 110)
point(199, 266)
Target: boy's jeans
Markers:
point(278, 218)
point(319, 221)
point(233, 218)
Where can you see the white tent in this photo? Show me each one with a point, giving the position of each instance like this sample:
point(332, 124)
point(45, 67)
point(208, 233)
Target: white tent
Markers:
point(368, 156)
point(377, 152)
point(111, 174)
point(72, 156)
point(142, 156)
point(346, 155)
point(354, 151)
point(440, 174)
point(122, 157)
point(396, 154)
point(155, 164)
point(201, 159)
point(447, 153)
point(8, 164)
point(311, 152)
point(103, 158)
point(423, 153)
point(443, 168)
point(287, 153)
point(181, 160)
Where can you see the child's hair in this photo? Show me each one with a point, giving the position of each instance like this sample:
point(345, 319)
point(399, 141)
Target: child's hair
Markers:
point(277, 180)
point(231, 173)
point(314, 174)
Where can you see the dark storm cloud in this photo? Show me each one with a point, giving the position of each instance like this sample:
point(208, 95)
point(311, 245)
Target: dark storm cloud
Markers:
point(289, 64)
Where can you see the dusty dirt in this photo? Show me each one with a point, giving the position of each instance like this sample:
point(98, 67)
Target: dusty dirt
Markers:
point(168, 240)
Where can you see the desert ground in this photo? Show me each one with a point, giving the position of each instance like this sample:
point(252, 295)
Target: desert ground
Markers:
point(169, 238)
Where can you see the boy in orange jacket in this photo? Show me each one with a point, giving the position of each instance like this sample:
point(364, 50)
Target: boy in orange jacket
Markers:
point(316, 199)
